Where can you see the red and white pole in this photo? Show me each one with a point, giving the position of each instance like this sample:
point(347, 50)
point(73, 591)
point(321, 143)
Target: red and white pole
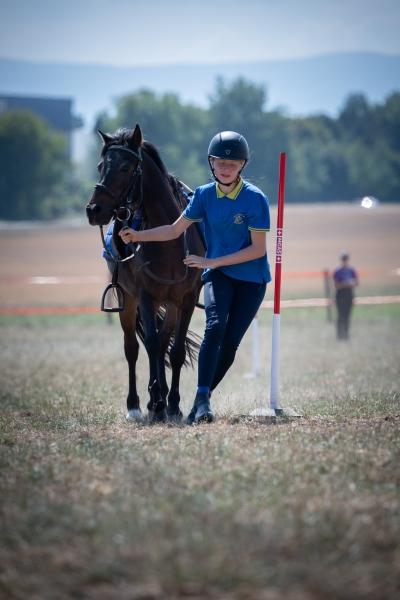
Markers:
point(274, 392)
point(275, 409)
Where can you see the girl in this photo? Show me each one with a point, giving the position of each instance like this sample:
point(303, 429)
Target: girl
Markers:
point(235, 215)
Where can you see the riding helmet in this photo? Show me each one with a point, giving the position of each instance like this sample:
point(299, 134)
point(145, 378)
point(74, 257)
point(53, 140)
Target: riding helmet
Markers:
point(229, 145)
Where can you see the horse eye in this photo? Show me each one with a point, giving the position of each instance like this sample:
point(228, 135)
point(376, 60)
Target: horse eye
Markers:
point(125, 167)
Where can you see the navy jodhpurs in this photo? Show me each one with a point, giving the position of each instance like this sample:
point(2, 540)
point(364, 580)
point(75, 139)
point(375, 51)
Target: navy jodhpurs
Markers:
point(230, 305)
point(344, 304)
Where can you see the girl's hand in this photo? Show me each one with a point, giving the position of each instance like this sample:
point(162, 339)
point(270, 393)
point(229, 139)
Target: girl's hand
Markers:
point(128, 235)
point(199, 262)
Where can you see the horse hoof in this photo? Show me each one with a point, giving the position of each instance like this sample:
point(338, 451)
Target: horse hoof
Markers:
point(134, 415)
point(175, 418)
point(159, 416)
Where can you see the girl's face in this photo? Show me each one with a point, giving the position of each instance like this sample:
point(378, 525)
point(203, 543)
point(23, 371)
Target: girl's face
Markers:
point(227, 170)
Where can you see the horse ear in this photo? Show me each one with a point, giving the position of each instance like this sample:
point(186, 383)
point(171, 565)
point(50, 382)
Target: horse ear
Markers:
point(107, 139)
point(136, 138)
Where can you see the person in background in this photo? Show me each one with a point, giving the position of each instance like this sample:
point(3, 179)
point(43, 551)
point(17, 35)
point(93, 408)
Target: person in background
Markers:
point(345, 279)
point(235, 215)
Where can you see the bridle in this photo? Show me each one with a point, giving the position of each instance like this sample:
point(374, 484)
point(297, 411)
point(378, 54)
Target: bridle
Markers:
point(129, 192)
point(126, 204)
point(123, 211)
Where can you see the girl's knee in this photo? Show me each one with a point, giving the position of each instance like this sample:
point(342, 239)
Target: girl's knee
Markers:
point(214, 331)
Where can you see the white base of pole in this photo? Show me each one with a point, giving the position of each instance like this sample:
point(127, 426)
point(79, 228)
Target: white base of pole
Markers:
point(274, 409)
point(276, 333)
point(263, 412)
point(274, 412)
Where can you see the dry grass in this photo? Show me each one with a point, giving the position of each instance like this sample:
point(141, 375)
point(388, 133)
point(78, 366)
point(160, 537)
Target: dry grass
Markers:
point(93, 507)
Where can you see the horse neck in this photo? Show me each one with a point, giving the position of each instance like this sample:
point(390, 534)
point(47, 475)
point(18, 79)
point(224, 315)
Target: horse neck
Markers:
point(159, 203)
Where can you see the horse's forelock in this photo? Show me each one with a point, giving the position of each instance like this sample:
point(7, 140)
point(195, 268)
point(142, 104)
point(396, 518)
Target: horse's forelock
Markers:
point(120, 138)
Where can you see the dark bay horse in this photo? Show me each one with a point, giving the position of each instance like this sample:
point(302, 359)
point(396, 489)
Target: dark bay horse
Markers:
point(160, 291)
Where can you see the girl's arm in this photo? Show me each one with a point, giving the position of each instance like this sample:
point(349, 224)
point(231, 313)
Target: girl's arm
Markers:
point(256, 249)
point(156, 234)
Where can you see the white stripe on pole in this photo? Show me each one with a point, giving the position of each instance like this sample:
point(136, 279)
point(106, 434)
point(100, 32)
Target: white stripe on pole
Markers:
point(274, 409)
point(276, 332)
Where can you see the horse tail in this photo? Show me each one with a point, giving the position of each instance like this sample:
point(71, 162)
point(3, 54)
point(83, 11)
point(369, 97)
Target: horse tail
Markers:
point(192, 347)
point(192, 340)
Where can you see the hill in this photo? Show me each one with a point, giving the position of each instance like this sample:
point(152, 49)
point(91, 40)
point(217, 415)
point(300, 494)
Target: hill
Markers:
point(300, 86)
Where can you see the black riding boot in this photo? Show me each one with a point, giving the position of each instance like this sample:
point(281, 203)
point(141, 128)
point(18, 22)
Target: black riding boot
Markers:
point(201, 410)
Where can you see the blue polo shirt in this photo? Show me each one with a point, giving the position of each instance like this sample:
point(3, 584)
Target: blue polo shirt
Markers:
point(344, 274)
point(228, 221)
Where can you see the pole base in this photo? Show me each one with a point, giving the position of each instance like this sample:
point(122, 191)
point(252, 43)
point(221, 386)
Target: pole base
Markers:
point(274, 412)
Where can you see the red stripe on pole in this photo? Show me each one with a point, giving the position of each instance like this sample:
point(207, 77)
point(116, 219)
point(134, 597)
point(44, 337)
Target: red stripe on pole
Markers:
point(279, 234)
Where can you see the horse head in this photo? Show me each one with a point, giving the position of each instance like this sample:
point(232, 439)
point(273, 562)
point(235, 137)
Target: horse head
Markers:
point(119, 169)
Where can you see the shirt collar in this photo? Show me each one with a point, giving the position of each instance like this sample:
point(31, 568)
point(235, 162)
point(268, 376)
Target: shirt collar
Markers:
point(233, 194)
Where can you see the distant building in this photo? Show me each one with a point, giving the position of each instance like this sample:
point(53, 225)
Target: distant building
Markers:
point(57, 112)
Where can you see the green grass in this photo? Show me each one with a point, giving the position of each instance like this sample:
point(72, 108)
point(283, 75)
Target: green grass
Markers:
point(93, 507)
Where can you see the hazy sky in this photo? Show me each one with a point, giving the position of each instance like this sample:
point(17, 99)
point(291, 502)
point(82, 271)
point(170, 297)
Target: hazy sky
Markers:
point(140, 32)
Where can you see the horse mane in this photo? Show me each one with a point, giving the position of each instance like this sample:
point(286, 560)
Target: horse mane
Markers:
point(152, 151)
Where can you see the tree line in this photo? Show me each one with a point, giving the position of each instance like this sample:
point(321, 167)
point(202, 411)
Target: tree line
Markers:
point(328, 159)
point(37, 180)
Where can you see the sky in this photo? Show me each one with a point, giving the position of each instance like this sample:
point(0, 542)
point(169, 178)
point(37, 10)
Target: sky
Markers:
point(159, 32)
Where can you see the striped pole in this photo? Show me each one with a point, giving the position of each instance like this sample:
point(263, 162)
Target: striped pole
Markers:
point(276, 322)
point(274, 409)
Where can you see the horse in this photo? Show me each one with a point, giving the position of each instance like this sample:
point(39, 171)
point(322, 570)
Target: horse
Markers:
point(160, 291)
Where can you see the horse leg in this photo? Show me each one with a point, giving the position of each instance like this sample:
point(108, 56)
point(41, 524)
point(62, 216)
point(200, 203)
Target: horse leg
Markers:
point(127, 319)
point(177, 356)
point(157, 405)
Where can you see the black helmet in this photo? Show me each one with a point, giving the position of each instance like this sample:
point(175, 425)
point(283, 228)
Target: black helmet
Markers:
point(229, 145)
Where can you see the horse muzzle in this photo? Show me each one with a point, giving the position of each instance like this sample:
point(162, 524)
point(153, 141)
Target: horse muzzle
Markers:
point(93, 214)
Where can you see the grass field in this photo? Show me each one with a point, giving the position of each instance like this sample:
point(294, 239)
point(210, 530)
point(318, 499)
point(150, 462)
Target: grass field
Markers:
point(93, 507)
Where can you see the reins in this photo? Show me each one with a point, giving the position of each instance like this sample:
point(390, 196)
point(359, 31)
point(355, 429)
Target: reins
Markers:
point(126, 204)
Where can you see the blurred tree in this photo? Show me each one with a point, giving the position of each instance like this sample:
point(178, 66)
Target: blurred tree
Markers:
point(357, 119)
point(374, 171)
point(388, 116)
point(240, 106)
point(329, 159)
point(178, 131)
point(317, 171)
point(370, 141)
point(36, 178)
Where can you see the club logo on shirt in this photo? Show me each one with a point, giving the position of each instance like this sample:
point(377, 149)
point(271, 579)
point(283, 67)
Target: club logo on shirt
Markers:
point(239, 219)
